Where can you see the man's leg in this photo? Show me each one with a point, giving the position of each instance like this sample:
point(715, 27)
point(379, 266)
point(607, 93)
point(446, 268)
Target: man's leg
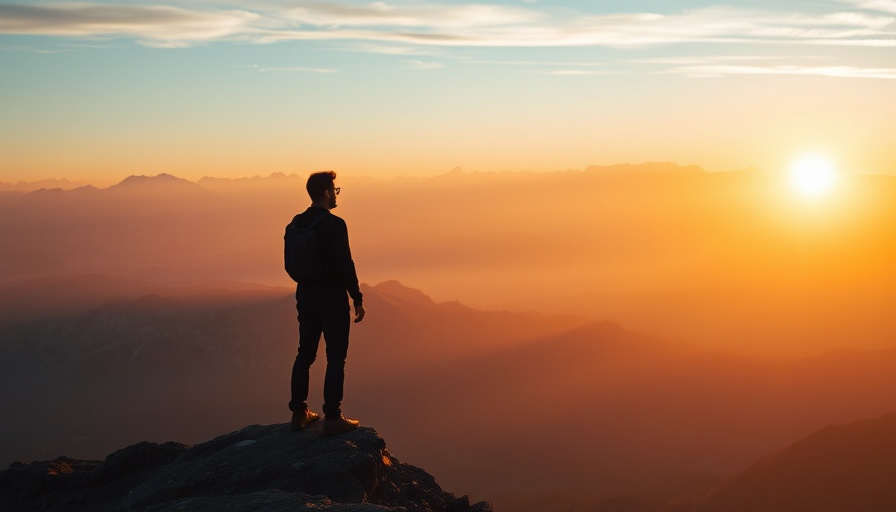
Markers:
point(310, 329)
point(337, 321)
point(336, 324)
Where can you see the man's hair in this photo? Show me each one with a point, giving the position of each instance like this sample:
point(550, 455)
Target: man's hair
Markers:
point(320, 182)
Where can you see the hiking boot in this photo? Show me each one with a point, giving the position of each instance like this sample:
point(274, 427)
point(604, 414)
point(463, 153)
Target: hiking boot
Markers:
point(339, 425)
point(301, 419)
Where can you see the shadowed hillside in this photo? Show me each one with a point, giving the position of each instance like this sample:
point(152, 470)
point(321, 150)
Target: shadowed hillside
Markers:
point(522, 404)
point(61, 296)
point(841, 467)
point(103, 377)
point(603, 408)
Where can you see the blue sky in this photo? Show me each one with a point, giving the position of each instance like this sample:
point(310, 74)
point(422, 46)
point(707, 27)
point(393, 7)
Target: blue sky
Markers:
point(100, 90)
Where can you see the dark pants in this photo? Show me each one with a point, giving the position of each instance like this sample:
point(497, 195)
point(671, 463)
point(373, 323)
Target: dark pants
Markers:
point(322, 310)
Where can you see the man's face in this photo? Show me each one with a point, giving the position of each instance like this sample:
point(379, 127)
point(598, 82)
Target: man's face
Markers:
point(334, 191)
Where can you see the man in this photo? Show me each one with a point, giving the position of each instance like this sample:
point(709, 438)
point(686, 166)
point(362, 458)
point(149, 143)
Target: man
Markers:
point(323, 308)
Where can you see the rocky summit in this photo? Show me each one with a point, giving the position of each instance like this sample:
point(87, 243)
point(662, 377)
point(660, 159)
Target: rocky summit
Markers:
point(270, 468)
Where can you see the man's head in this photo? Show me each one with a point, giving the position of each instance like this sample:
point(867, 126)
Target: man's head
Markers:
point(322, 189)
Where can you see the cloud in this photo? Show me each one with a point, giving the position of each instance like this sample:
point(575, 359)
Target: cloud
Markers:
point(392, 49)
point(722, 65)
point(880, 43)
point(888, 6)
point(419, 64)
point(435, 25)
point(859, 19)
point(292, 68)
point(712, 70)
point(153, 25)
point(419, 15)
point(572, 72)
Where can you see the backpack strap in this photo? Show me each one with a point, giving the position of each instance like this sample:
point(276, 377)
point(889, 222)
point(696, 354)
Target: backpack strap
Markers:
point(315, 221)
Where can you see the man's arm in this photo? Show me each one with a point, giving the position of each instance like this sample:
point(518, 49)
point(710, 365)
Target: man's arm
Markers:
point(347, 273)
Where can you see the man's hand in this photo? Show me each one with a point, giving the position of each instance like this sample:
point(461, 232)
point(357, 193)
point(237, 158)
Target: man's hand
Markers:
point(359, 313)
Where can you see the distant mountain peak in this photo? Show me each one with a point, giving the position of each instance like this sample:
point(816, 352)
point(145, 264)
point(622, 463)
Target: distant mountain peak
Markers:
point(160, 182)
point(395, 290)
point(52, 183)
point(645, 168)
point(276, 181)
point(163, 178)
point(454, 174)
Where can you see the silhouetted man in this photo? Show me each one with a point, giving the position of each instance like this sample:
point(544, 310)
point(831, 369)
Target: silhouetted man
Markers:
point(323, 308)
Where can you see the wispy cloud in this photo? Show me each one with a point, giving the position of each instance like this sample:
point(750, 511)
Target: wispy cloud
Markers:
point(384, 25)
point(152, 25)
point(411, 15)
point(869, 43)
point(693, 60)
point(292, 68)
point(711, 70)
point(391, 49)
point(888, 6)
point(419, 64)
point(572, 72)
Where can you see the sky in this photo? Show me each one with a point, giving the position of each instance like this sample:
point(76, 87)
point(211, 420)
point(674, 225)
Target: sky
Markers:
point(97, 91)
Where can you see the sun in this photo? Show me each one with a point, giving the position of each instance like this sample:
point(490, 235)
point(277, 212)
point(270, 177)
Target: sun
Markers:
point(812, 176)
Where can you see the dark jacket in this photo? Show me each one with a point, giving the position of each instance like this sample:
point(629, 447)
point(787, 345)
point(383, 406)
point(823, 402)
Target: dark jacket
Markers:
point(336, 265)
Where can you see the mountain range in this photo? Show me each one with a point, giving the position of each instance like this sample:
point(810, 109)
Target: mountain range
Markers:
point(712, 258)
point(509, 407)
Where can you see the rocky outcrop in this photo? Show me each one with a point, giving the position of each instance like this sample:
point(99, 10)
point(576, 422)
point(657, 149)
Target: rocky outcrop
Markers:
point(268, 468)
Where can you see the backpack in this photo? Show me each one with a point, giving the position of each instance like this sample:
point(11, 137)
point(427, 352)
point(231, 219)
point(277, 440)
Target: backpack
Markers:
point(300, 252)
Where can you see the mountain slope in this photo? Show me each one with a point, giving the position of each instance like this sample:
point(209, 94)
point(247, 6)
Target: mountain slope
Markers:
point(603, 408)
point(101, 378)
point(840, 467)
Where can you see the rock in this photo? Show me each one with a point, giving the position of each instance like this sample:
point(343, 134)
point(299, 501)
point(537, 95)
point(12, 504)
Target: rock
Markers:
point(71, 484)
point(272, 500)
point(269, 468)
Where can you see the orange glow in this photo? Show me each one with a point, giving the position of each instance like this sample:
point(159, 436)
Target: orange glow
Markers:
point(677, 323)
point(714, 258)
